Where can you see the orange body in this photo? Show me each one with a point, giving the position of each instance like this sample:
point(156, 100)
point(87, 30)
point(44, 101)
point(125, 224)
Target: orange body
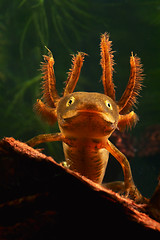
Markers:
point(87, 120)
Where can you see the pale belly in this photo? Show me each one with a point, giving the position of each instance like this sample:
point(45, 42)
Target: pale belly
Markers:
point(89, 162)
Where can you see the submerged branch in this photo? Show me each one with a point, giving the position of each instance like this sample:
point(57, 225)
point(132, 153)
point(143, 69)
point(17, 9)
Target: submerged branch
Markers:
point(40, 198)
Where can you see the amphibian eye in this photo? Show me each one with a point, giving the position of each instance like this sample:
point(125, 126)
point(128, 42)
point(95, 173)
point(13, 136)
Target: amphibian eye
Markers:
point(108, 104)
point(70, 101)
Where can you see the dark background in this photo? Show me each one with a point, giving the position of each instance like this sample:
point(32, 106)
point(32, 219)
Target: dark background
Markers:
point(66, 27)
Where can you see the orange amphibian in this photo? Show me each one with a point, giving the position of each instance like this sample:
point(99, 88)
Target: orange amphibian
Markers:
point(87, 119)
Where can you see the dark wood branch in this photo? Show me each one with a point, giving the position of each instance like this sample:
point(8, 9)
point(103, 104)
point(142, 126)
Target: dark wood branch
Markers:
point(40, 199)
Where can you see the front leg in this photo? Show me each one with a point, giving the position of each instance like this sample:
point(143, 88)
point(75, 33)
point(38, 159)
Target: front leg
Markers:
point(130, 187)
point(52, 137)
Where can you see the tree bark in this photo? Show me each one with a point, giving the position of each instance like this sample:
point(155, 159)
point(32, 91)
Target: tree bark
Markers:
point(40, 199)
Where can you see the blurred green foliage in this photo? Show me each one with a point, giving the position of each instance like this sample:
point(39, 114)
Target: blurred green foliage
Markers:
point(65, 27)
point(25, 28)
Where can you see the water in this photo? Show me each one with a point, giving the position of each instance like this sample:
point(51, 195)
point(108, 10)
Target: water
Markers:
point(65, 27)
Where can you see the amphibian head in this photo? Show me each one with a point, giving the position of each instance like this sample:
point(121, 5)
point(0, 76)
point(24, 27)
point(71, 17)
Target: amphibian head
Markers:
point(86, 120)
point(87, 114)
point(75, 110)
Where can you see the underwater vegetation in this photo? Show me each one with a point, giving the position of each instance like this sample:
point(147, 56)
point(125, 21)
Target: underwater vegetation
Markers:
point(65, 27)
point(26, 27)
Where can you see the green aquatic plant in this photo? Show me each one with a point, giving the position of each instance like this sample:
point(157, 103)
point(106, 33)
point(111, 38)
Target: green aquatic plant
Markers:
point(64, 27)
point(64, 18)
point(25, 28)
point(20, 93)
